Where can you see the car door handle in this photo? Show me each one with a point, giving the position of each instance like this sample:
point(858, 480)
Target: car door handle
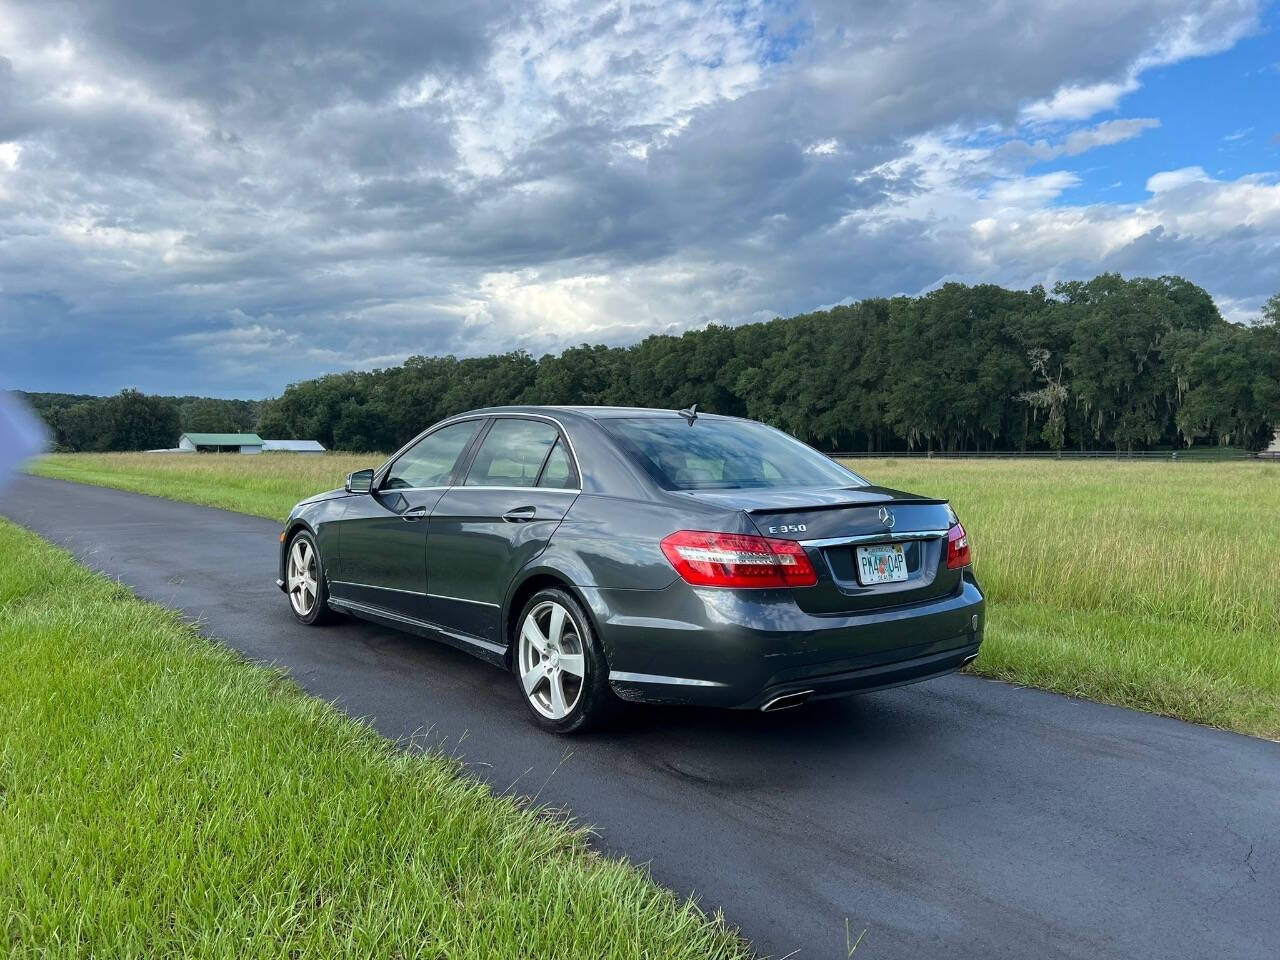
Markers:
point(520, 514)
point(414, 513)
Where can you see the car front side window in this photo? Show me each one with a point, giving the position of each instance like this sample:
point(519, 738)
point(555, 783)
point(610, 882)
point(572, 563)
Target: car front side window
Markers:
point(431, 461)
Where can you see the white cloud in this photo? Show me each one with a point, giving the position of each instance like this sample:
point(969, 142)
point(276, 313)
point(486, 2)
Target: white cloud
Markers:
point(267, 203)
point(1082, 140)
point(1173, 179)
point(823, 148)
point(1074, 102)
point(1196, 31)
point(1106, 134)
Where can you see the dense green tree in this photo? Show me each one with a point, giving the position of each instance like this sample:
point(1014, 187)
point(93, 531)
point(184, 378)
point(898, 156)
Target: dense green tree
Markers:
point(210, 415)
point(127, 421)
point(1271, 310)
point(135, 421)
point(1050, 398)
point(80, 427)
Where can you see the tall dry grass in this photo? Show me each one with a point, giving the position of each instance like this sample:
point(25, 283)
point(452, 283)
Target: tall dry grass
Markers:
point(265, 484)
point(1150, 584)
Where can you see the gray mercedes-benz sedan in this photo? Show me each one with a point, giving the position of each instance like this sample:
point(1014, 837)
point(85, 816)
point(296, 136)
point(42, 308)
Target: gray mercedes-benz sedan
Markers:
point(605, 554)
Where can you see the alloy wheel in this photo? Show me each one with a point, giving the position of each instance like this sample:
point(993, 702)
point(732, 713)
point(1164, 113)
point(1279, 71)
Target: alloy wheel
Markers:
point(552, 662)
point(301, 577)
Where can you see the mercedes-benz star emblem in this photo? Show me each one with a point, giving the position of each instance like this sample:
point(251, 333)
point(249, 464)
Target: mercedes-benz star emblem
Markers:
point(886, 517)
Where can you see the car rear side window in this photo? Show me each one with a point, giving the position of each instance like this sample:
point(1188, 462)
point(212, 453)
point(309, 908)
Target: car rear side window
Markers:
point(430, 461)
point(712, 454)
point(512, 453)
point(558, 471)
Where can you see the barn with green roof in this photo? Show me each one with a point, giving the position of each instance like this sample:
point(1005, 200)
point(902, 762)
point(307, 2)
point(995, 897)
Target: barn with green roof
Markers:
point(220, 442)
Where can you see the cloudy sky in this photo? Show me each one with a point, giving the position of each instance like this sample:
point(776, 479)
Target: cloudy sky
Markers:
point(224, 197)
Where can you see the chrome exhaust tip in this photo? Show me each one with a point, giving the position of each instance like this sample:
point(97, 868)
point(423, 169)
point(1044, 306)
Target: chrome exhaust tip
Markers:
point(786, 701)
point(968, 660)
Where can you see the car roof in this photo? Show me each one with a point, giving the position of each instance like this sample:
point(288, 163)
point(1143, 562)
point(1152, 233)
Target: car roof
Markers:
point(593, 413)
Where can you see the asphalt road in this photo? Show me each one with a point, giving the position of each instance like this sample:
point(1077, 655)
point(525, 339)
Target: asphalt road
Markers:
point(957, 818)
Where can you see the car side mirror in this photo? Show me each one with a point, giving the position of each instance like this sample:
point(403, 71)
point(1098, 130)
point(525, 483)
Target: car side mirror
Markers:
point(360, 482)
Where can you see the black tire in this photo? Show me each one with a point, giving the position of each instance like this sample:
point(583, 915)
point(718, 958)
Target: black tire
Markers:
point(303, 544)
point(589, 701)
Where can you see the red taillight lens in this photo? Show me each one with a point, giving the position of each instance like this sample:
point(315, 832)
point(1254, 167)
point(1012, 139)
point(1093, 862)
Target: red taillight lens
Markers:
point(958, 547)
point(738, 560)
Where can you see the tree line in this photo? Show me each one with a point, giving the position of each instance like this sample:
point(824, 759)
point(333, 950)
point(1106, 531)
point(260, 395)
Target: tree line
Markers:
point(1108, 363)
point(1105, 363)
point(135, 421)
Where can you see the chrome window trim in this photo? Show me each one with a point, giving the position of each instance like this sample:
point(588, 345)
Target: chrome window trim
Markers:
point(458, 486)
point(408, 489)
point(888, 536)
point(573, 490)
point(380, 473)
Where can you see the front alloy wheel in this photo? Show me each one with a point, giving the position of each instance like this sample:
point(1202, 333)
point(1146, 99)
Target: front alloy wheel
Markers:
point(304, 581)
point(559, 667)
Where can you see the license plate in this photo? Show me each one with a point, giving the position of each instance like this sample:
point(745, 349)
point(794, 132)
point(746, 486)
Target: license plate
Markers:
point(881, 563)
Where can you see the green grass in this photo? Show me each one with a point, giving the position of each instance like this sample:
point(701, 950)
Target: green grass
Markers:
point(161, 798)
point(1150, 585)
point(1146, 584)
point(265, 485)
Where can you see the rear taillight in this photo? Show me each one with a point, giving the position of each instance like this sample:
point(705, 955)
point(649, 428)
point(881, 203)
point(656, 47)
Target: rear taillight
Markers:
point(958, 547)
point(738, 560)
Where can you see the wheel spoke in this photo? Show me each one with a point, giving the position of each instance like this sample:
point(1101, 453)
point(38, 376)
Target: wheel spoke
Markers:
point(558, 706)
point(572, 663)
point(533, 676)
point(533, 635)
point(555, 627)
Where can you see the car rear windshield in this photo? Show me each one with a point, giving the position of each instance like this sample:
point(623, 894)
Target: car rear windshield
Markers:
point(714, 454)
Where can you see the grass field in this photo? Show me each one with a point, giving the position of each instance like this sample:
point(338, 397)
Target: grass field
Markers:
point(1146, 584)
point(1151, 585)
point(161, 798)
point(266, 485)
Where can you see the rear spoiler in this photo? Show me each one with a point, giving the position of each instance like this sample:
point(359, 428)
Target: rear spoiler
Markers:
point(904, 502)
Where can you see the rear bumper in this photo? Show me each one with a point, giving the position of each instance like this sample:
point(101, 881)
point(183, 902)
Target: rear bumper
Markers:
point(895, 672)
point(744, 648)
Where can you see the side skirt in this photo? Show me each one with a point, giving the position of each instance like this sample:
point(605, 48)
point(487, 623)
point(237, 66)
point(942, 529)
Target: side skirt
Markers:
point(489, 652)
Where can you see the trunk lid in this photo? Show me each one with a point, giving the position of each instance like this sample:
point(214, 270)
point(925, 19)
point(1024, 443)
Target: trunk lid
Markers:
point(832, 524)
